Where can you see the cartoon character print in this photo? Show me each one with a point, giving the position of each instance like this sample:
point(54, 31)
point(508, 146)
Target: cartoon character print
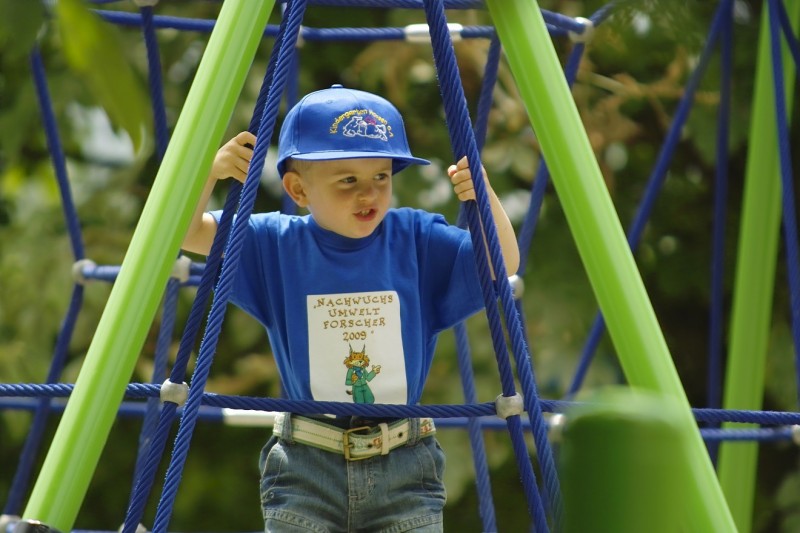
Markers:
point(360, 126)
point(357, 376)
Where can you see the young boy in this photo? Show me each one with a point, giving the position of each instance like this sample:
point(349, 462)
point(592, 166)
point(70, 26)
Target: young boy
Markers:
point(353, 297)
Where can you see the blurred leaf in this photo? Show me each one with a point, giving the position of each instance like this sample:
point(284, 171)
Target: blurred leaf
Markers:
point(94, 52)
point(19, 26)
point(788, 500)
point(681, 21)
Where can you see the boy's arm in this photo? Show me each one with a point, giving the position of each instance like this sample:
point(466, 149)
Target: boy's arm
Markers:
point(461, 177)
point(231, 161)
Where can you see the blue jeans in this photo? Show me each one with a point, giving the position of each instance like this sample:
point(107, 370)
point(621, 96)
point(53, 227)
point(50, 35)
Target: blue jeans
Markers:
point(308, 489)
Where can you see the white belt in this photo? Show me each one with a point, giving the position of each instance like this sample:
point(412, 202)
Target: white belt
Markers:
point(380, 439)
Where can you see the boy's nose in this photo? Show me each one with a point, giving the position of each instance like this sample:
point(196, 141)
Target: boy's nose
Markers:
point(367, 191)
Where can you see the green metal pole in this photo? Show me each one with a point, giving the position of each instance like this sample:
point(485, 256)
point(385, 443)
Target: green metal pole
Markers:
point(755, 276)
point(79, 440)
point(600, 239)
point(622, 466)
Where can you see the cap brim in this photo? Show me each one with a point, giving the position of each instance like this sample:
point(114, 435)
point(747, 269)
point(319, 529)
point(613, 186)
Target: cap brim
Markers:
point(401, 161)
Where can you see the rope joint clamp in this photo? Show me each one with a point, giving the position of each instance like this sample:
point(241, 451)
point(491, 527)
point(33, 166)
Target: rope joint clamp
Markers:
point(176, 393)
point(586, 35)
point(420, 33)
point(509, 405)
point(79, 269)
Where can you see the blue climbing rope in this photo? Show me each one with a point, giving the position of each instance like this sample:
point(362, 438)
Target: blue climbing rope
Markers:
point(655, 183)
point(22, 476)
point(294, 15)
point(463, 142)
point(716, 313)
point(474, 429)
point(143, 485)
point(785, 158)
point(466, 140)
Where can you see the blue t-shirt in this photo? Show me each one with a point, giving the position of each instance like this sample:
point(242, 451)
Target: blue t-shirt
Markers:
point(356, 319)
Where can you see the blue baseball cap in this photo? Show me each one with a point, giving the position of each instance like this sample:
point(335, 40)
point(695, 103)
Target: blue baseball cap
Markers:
point(340, 123)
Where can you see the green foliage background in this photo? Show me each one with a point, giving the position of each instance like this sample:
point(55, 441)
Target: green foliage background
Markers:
point(627, 91)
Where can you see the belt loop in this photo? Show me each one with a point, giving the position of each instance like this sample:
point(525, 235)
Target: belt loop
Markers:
point(413, 431)
point(285, 429)
point(385, 446)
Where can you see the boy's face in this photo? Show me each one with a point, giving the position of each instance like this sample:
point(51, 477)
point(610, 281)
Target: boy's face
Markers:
point(347, 196)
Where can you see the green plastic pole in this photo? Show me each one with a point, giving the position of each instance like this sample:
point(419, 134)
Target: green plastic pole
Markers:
point(79, 440)
point(600, 239)
point(755, 277)
point(622, 466)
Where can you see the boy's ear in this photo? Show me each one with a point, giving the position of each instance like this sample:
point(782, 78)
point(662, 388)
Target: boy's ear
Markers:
point(293, 185)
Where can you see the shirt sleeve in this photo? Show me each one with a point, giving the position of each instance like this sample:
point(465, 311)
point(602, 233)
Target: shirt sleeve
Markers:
point(452, 281)
point(249, 286)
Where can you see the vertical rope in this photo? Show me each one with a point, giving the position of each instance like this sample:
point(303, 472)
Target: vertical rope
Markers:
point(145, 480)
point(475, 432)
point(487, 91)
point(294, 14)
point(155, 83)
point(788, 203)
point(716, 313)
point(292, 95)
point(482, 479)
point(161, 356)
point(541, 181)
point(791, 40)
point(147, 435)
point(463, 142)
point(655, 183)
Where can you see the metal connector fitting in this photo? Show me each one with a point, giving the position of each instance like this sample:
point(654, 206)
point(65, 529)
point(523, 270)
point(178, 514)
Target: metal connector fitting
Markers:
point(176, 393)
point(588, 31)
point(421, 34)
point(139, 529)
point(517, 286)
point(555, 427)
point(77, 270)
point(509, 405)
point(181, 269)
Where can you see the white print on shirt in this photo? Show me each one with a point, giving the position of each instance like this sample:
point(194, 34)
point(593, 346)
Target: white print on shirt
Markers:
point(355, 348)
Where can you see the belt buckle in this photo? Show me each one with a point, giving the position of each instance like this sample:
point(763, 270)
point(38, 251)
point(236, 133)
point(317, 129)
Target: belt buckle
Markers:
point(346, 444)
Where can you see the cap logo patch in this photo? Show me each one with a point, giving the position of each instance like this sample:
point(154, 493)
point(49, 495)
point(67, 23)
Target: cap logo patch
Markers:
point(362, 123)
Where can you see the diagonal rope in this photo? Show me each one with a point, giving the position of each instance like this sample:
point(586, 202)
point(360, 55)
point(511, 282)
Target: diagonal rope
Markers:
point(716, 313)
point(20, 483)
point(785, 157)
point(150, 424)
point(464, 357)
point(145, 481)
point(654, 185)
point(463, 141)
point(294, 14)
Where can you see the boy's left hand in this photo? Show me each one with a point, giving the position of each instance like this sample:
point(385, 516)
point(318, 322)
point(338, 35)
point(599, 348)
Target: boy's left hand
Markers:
point(461, 178)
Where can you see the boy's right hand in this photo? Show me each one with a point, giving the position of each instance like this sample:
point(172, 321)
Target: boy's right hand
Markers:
point(233, 159)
